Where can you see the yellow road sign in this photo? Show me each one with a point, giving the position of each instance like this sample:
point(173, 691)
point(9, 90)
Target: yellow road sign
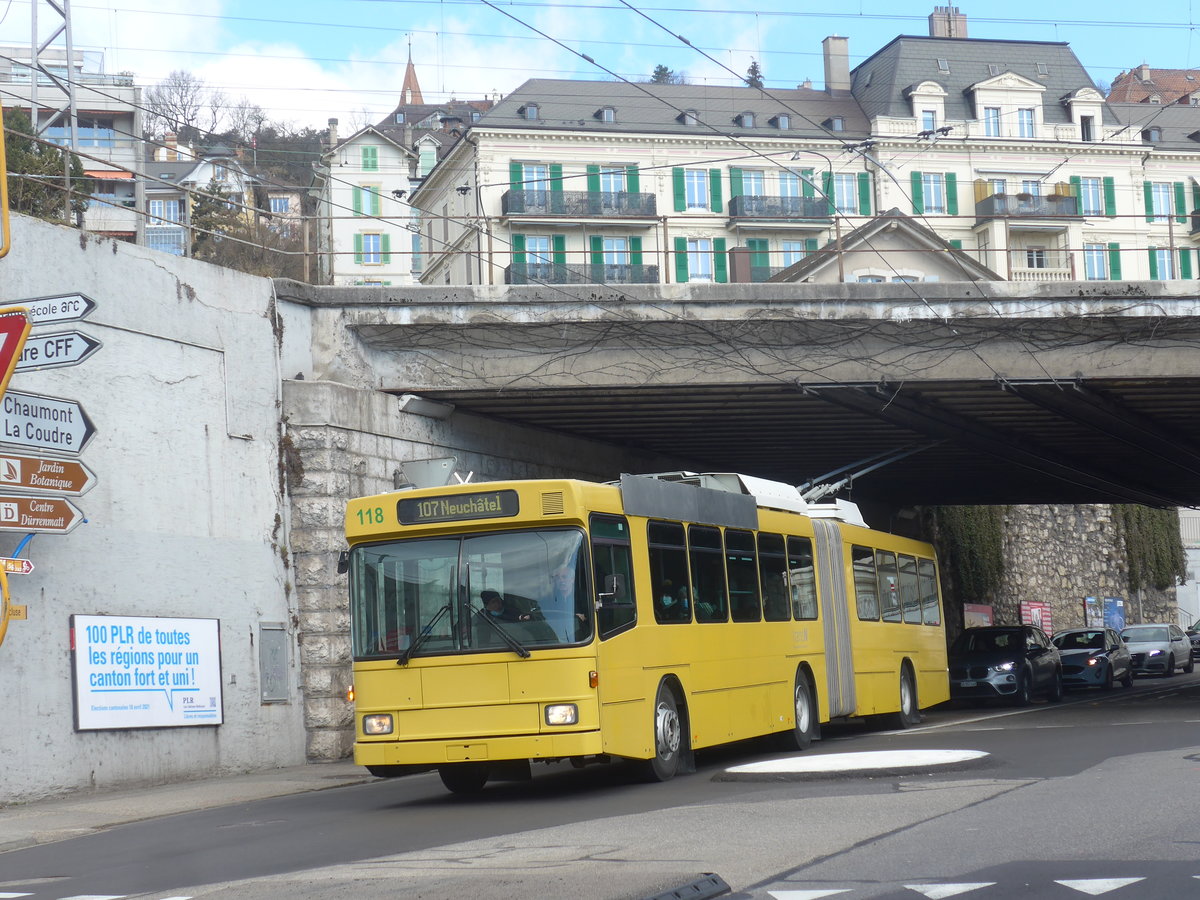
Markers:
point(18, 612)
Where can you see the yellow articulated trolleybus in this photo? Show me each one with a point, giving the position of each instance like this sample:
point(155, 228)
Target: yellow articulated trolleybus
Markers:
point(502, 622)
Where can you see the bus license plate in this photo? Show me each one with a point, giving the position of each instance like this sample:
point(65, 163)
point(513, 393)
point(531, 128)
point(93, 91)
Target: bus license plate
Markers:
point(967, 683)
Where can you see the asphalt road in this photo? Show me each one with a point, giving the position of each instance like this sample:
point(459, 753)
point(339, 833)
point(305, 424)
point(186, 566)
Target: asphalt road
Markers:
point(1099, 787)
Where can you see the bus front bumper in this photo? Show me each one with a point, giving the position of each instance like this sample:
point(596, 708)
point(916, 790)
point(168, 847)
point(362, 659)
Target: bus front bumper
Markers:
point(535, 746)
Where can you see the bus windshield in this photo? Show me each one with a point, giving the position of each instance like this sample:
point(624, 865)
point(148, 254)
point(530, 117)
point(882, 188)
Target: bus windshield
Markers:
point(464, 594)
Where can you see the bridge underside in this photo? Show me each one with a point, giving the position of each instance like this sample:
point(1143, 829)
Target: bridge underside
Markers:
point(964, 442)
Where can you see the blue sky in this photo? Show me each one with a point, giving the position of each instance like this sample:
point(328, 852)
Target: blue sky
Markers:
point(305, 61)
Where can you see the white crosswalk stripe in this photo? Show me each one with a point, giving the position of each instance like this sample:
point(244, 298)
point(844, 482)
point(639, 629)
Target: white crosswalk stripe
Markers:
point(941, 891)
point(1097, 886)
point(807, 895)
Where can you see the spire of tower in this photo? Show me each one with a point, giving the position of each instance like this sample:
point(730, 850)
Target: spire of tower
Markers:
point(410, 91)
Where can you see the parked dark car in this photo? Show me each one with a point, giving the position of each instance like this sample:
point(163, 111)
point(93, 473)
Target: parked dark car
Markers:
point(1193, 633)
point(1158, 649)
point(1093, 657)
point(1010, 661)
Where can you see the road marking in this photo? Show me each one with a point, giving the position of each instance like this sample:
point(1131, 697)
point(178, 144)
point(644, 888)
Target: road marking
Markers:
point(1098, 886)
point(806, 895)
point(941, 891)
point(96, 897)
point(8, 895)
point(862, 761)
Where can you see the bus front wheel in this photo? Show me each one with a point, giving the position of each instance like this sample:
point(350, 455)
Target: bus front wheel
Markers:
point(668, 736)
point(909, 715)
point(464, 778)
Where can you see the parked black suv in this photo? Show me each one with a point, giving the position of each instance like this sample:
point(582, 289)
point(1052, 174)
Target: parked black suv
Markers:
point(1011, 661)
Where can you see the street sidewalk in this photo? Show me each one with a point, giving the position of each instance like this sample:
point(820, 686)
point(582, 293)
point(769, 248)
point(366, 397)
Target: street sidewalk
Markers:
point(58, 818)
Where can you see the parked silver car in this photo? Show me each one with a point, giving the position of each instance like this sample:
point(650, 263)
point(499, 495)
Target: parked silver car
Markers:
point(1093, 657)
point(1158, 649)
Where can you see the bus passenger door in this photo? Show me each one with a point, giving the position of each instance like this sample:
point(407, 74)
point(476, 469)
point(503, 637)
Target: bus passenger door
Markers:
point(835, 618)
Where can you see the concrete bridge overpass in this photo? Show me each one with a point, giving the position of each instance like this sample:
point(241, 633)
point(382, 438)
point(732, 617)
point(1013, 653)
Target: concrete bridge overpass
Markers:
point(990, 392)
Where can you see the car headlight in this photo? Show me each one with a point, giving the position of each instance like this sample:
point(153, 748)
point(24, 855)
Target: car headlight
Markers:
point(377, 724)
point(562, 714)
point(1095, 660)
point(1155, 653)
point(1004, 667)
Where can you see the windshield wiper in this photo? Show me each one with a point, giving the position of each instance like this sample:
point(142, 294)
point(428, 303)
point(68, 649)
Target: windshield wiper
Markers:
point(512, 642)
point(402, 660)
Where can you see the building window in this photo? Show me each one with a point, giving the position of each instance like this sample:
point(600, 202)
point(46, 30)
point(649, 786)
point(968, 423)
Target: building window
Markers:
point(529, 111)
point(998, 185)
point(1153, 135)
point(991, 121)
point(367, 200)
point(537, 253)
point(1035, 258)
point(280, 205)
point(616, 251)
point(993, 69)
point(475, 116)
point(700, 259)
point(1091, 200)
point(754, 183)
point(783, 122)
point(793, 251)
point(928, 119)
point(837, 123)
point(933, 189)
point(1087, 128)
point(690, 117)
point(943, 66)
point(612, 181)
point(1032, 187)
point(1025, 123)
point(695, 182)
point(399, 118)
point(1160, 201)
point(164, 211)
point(789, 184)
point(870, 279)
point(1043, 69)
point(1164, 264)
point(746, 120)
point(607, 114)
point(372, 249)
point(845, 194)
point(1095, 262)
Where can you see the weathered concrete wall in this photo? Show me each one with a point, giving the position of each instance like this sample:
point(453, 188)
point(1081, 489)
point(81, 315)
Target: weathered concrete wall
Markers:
point(346, 442)
point(186, 519)
point(1060, 554)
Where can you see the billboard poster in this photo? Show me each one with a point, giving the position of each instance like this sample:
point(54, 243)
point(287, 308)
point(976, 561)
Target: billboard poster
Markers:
point(1093, 612)
point(1038, 614)
point(976, 615)
point(1114, 613)
point(145, 672)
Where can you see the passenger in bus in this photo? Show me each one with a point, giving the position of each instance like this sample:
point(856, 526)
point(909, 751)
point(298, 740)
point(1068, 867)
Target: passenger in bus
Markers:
point(494, 605)
point(561, 601)
point(672, 602)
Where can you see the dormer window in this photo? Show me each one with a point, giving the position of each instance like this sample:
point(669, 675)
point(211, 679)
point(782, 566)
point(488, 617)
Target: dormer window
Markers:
point(1153, 134)
point(528, 112)
point(1043, 69)
point(399, 118)
point(1154, 98)
point(689, 117)
point(475, 116)
point(993, 69)
point(835, 123)
point(746, 119)
point(606, 114)
point(943, 66)
point(782, 121)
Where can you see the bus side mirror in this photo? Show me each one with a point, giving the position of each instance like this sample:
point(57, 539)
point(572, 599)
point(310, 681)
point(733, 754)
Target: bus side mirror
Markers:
point(343, 563)
point(614, 592)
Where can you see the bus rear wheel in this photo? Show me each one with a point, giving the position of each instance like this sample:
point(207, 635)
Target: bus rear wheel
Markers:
point(668, 736)
point(802, 733)
point(909, 715)
point(464, 778)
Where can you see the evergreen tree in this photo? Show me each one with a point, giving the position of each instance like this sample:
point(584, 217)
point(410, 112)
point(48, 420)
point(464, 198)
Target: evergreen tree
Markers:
point(662, 75)
point(754, 76)
point(35, 181)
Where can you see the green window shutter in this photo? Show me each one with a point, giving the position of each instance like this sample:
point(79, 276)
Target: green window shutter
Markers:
point(370, 159)
point(864, 193)
point(597, 250)
point(516, 176)
point(1110, 196)
point(720, 262)
point(1076, 186)
point(1195, 195)
point(810, 246)
point(951, 194)
point(679, 190)
point(735, 182)
point(385, 247)
point(356, 200)
point(760, 255)
point(558, 245)
point(518, 249)
point(827, 190)
point(714, 190)
point(1148, 196)
point(1180, 203)
point(681, 260)
point(635, 251)
point(376, 202)
point(633, 183)
point(956, 244)
point(358, 249)
point(918, 195)
point(1114, 262)
point(556, 182)
point(1153, 263)
point(1185, 263)
point(593, 179)
point(806, 183)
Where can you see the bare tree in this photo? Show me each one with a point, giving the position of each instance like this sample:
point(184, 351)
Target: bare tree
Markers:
point(182, 102)
point(244, 119)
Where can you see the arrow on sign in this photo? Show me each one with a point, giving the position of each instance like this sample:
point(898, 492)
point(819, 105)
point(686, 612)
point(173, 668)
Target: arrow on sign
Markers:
point(44, 423)
point(59, 308)
point(17, 566)
point(42, 514)
point(35, 473)
point(53, 351)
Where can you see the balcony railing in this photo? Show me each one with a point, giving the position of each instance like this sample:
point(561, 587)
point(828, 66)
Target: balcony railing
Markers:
point(546, 273)
point(784, 208)
point(578, 204)
point(1054, 206)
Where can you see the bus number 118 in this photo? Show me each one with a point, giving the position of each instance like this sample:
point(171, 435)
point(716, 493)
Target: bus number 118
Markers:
point(372, 516)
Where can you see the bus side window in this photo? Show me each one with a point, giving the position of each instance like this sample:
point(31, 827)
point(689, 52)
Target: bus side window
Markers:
point(931, 613)
point(804, 578)
point(741, 568)
point(889, 585)
point(909, 595)
point(669, 572)
point(613, 565)
point(866, 587)
point(772, 571)
point(708, 573)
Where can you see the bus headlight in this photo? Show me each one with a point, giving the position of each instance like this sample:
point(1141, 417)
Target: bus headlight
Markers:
point(379, 724)
point(562, 714)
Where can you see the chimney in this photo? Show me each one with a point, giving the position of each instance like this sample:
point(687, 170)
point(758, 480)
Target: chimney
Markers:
point(806, 84)
point(1143, 72)
point(837, 64)
point(171, 151)
point(333, 123)
point(947, 22)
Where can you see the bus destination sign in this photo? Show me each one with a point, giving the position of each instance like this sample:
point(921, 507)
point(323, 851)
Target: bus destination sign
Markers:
point(454, 507)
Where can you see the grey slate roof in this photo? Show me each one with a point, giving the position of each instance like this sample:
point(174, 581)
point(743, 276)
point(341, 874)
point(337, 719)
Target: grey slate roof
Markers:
point(655, 109)
point(880, 81)
point(1176, 121)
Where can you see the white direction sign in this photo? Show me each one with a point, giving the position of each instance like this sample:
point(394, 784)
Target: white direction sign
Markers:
point(44, 423)
point(59, 308)
point(53, 351)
